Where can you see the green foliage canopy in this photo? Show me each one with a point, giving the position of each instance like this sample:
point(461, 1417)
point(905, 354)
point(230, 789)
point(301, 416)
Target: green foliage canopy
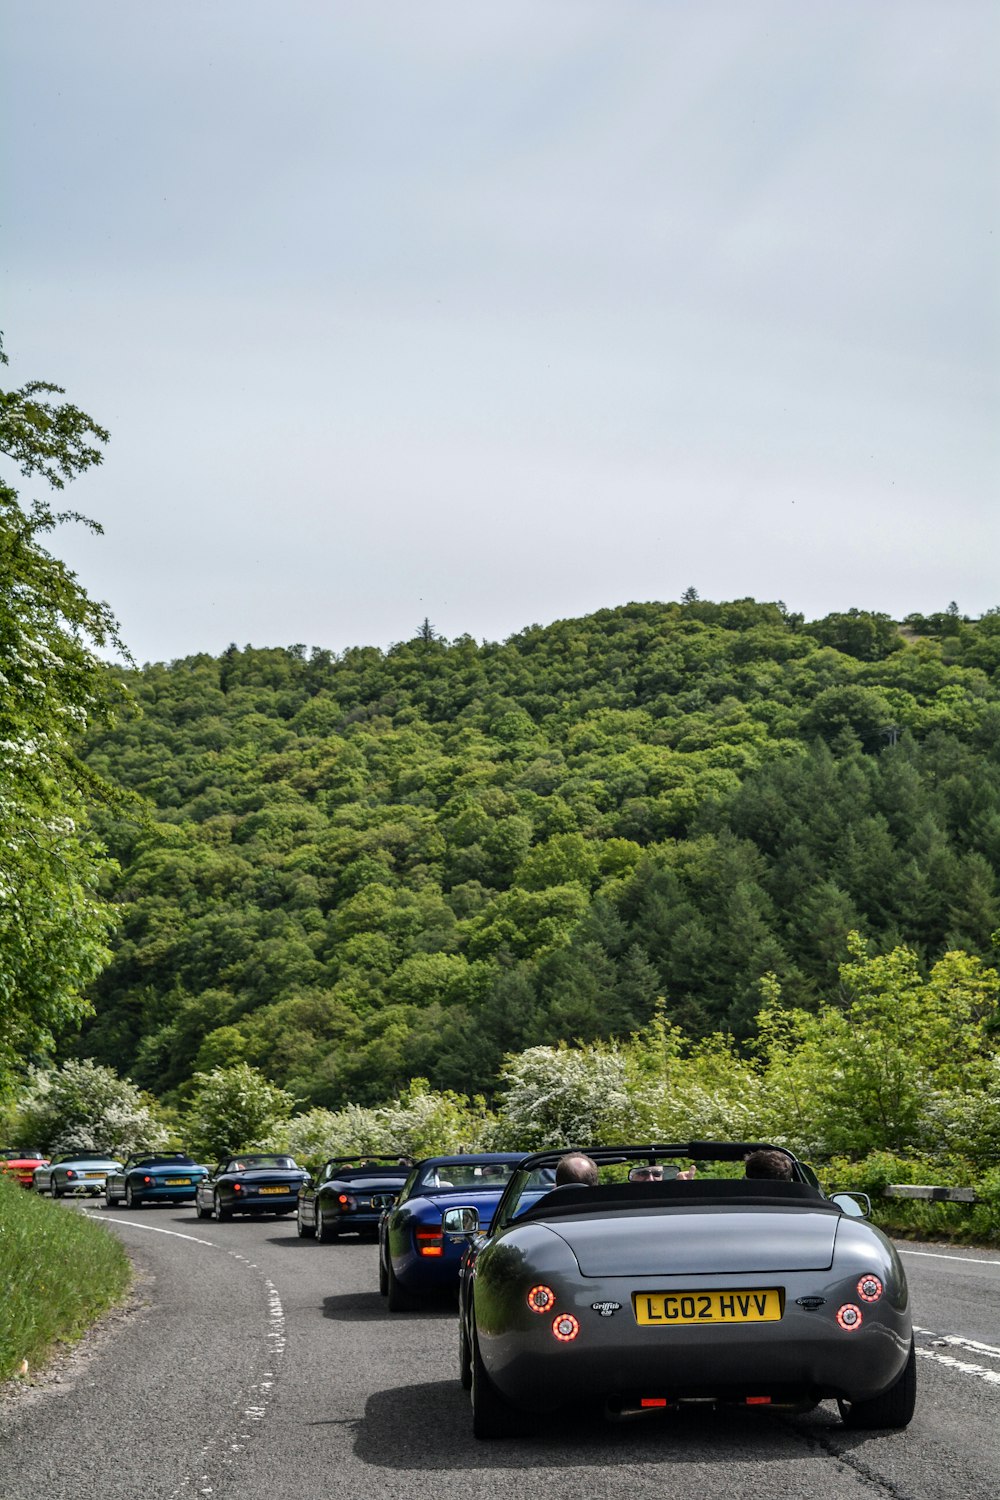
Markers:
point(53, 923)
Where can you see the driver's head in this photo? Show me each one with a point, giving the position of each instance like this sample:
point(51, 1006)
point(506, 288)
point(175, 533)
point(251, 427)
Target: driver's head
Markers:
point(646, 1172)
point(576, 1166)
point(773, 1164)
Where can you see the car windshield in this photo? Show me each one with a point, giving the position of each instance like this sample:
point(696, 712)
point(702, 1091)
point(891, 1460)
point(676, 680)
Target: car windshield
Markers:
point(465, 1175)
point(369, 1184)
point(163, 1161)
point(251, 1162)
point(633, 1172)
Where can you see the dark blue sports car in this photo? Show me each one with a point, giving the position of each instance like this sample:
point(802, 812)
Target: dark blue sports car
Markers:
point(254, 1182)
point(415, 1259)
point(154, 1177)
point(349, 1196)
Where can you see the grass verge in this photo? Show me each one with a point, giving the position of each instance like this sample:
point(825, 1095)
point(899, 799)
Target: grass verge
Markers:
point(59, 1272)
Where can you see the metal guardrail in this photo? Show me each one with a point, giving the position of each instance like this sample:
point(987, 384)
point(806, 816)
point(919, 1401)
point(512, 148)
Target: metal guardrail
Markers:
point(935, 1194)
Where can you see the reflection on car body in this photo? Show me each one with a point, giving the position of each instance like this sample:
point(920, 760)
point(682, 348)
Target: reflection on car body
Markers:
point(648, 1294)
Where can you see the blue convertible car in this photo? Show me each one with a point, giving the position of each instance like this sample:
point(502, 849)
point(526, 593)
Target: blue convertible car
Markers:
point(415, 1259)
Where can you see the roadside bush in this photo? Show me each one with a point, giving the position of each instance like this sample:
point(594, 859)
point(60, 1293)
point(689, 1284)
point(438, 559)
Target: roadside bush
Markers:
point(82, 1106)
point(420, 1122)
point(236, 1109)
point(59, 1271)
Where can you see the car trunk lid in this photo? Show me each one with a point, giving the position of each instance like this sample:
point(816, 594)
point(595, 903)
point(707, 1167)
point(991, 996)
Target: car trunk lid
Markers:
point(708, 1242)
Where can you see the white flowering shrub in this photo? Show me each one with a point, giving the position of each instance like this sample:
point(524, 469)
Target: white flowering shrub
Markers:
point(82, 1106)
point(553, 1096)
point(420, 1122)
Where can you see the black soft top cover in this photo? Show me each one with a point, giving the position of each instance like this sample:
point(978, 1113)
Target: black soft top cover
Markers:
point(614, 1197)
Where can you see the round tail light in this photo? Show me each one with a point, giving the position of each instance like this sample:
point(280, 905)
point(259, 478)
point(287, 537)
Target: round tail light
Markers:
point(565, 1327)
point(541, 1299)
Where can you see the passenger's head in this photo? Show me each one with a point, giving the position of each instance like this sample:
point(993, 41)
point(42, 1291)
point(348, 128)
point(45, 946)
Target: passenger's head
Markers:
point(575, 1166)
point(773, 1164)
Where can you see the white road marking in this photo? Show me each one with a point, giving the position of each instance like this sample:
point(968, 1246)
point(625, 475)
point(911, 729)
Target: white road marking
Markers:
point(971, 1344)
point(152, 1229)
point(991, 1377)
point(258, 1394)
point(972, 1260)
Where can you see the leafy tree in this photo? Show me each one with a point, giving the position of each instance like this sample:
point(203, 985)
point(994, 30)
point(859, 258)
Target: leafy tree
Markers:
point(53, 923)
point(235, 1109)
point(84, 1107)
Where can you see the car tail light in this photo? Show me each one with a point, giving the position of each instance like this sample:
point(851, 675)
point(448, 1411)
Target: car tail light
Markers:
point(237, 1188)
point(870, 1288)
point(430, 1241)
point(147, 1179)
point(70, 1172)
point(565, 1327)
point(653, 1401)
point(758, 1401)
point(347, 1202)
point(849, 1317)
point(541, 1299)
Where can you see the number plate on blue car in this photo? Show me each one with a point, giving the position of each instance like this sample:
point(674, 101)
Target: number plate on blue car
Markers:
point(663, 1309)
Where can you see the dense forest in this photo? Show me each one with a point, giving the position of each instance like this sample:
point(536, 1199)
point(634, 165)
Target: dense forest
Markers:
point(348, 870)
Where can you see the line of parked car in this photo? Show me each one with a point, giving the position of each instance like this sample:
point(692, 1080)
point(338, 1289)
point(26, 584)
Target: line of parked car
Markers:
point(664, 1277)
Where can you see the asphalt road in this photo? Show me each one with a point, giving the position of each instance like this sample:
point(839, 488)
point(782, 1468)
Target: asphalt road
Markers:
point(259, 1366)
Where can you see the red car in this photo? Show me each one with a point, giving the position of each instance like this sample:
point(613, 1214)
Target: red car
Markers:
point(22, 1164)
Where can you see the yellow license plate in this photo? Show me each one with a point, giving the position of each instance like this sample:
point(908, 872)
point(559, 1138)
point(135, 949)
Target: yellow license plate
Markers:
point(667, 1309)
point(178, 1182)
point(95, 1174)
point(276, 1190)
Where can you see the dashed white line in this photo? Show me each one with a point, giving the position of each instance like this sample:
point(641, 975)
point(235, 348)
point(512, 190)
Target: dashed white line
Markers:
point(258, 1394)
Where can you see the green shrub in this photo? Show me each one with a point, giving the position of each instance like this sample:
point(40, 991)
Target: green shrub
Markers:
point(59, 1271)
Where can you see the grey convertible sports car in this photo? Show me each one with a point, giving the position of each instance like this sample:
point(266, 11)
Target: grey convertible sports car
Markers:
point(645, 1294)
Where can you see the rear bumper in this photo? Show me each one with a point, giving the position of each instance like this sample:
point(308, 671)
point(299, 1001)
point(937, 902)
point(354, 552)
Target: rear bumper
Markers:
point(802, 1357)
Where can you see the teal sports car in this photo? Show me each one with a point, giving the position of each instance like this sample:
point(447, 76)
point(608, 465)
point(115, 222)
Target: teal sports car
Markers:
point(154, 1177)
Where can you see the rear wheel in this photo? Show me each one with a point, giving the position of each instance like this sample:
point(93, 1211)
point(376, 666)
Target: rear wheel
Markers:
point(492, 1416)
point(323, 1231)
point(55, 1189)
point(203, 1213)
point(219, 1211)
point(132, 1200)
point(109, 1202)
point(301, 1228)
point(400, 1300)
point(894, 1408)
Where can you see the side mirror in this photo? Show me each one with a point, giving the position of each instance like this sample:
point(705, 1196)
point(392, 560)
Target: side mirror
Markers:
point(463, 1221)
point(854, 1205)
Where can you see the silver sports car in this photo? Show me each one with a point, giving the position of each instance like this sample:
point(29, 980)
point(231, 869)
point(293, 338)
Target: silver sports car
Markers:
point(647, 1287)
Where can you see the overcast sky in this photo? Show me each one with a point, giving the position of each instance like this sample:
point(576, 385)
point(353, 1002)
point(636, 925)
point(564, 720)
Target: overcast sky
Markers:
point(502, 312)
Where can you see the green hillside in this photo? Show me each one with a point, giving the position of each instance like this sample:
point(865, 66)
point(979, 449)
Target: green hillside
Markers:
point(366, 867)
